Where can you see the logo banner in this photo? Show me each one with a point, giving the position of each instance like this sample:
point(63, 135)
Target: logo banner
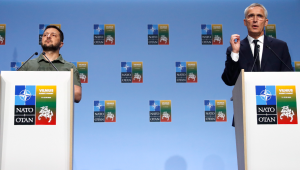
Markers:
point(35, 105)
point(14, 66)
point(286, 105)
point(98, 34)
point(165, 111)
point(126, 72)
point(45, 105)
point(270, 30)
point(158, 34)
point(217, 34)
point(137, 72)
point(212, 34)
point(99, 111)
point(104, 34)
point(25, 96)
point(215, 111)
point(105, 111)
point(221, 115)
point(110, 111)
point(191, 72)
point(132, 72)
point(180, 72)
point(276, 104)
point(163, 34)
point(296, 65)
point(2, 34)
point(186, 72)
point(152, 34)
point(160, 111)
point(210, 110)
point(109, 34)
point(82, 68)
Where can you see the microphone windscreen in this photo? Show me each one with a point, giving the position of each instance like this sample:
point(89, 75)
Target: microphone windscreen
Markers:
point(36, 53)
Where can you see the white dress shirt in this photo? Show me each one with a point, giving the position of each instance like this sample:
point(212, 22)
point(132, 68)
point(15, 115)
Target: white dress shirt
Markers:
point(235, 56)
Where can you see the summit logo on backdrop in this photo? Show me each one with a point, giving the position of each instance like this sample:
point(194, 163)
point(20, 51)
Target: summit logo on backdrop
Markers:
point(131, 72)
point(82, 68)
point(296, 65)
point(276, 105)
point(212, 34)
point(14, 66)
point(160, 111)
point(270, 30)
point(215, 110)
point(186, 72)
point(104, 34)
point(2, 34)
point(158, 34)
point(105, 111)
point(42, 28)
point(35, 105)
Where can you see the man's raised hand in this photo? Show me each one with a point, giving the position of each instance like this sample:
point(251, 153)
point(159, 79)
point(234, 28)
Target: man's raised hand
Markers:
point(235, 44)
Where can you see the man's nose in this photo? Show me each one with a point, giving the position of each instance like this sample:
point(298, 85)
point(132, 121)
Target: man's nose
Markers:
point(255, 18)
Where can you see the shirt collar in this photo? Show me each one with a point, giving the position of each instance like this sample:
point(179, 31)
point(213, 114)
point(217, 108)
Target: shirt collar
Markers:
point(260, 39)
point(59, 59)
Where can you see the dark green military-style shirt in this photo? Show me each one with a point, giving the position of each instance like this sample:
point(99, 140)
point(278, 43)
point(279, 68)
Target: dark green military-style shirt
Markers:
point(41, 64)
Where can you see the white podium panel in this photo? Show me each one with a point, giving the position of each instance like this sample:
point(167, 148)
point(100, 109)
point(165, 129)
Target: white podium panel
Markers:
point(37, 146)
point(262, 143)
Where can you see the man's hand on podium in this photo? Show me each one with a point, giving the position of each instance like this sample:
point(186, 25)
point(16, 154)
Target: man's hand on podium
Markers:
point(77, 93)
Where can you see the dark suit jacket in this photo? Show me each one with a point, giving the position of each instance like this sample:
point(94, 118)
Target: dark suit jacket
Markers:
point(269, 60)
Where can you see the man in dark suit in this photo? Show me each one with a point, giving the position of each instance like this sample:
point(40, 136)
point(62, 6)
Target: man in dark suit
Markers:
point(254, 52)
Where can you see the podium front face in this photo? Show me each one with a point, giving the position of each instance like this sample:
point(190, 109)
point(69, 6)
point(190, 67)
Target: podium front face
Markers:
point(267, 124)
point(36, 120)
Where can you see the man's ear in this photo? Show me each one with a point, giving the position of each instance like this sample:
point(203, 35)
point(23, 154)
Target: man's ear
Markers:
point(266, 23)
point(61, 44)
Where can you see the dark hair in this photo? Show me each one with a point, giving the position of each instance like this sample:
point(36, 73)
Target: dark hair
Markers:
point(60, 32)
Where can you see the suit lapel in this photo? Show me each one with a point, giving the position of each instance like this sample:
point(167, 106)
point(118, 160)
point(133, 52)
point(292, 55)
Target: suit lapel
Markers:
point(245, 51)
point(266, 52)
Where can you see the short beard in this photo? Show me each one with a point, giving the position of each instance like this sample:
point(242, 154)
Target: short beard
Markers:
point(51, 47)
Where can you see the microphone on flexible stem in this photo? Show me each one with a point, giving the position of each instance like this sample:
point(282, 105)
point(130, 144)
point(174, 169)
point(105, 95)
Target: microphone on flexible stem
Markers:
point(49, 60)
point(278, 57)
point(36, 53)
point(258, 46)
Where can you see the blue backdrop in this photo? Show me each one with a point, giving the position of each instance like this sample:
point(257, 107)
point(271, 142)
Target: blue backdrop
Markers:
point(133, 143)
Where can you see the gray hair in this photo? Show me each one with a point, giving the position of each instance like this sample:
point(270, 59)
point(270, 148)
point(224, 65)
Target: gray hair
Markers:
point(255, 5)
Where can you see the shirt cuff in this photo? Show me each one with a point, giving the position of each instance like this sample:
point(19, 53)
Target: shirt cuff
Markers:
point(234, 56)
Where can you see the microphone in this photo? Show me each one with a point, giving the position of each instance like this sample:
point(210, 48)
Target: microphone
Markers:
point(278, 57)
point(258, 46)
point(36, 53)
point(49, 60)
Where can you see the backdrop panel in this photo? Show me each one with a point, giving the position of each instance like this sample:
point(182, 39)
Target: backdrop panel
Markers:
point(132, 142)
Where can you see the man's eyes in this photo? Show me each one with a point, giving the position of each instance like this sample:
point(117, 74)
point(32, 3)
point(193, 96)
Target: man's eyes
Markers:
point(52, 35)
point(252, 15)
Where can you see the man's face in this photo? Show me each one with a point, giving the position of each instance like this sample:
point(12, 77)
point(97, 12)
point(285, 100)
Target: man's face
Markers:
point(255, 21)
point(51, 40)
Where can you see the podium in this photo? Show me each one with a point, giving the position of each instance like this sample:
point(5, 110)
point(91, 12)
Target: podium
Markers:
point(36, 120)
point(266, 123)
